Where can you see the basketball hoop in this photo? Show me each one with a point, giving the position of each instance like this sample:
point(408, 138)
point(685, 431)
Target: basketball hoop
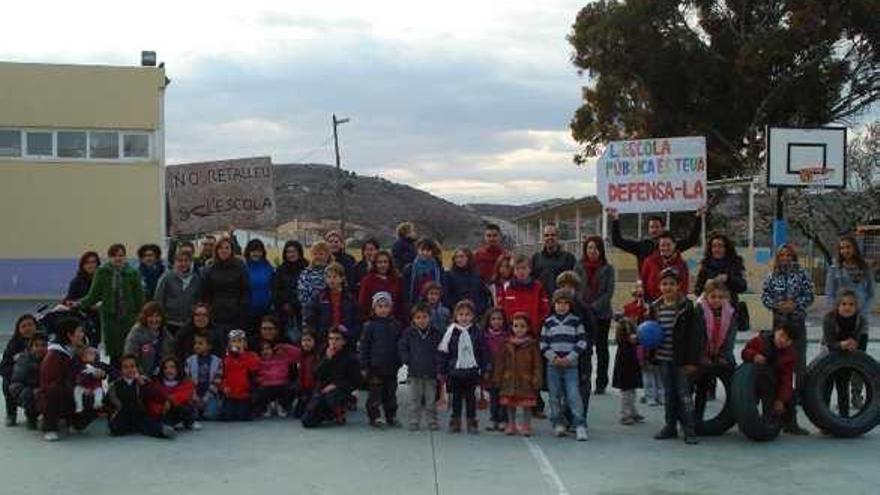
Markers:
point(815, 177)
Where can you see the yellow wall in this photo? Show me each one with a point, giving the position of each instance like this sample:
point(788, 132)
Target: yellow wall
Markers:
point(58, 210)
point(59, 96)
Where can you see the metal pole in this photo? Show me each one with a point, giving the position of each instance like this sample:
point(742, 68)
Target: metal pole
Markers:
point(339, 189)
point(751, 215)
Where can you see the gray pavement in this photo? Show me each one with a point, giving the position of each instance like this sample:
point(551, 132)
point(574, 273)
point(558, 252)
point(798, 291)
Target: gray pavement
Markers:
point(279, 456)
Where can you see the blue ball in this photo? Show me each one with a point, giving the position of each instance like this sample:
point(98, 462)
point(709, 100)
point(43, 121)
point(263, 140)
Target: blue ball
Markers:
point(650, 334)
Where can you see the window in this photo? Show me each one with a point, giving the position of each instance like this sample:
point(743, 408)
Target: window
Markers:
point(71, 144)
point(39, 143)
point(10, 143)
point(103, 144)
point(136, 146)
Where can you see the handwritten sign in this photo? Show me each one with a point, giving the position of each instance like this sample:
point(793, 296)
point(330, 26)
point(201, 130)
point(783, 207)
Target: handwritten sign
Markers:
point(209, 196)
point(666, 174)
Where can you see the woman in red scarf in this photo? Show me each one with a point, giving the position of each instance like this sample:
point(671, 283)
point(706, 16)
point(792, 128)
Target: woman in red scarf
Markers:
point(597, 289)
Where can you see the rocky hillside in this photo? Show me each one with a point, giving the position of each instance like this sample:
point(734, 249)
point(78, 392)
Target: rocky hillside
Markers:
point(510, 212)
point(307, 192)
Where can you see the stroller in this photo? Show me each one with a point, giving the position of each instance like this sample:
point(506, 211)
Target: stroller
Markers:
point(48, 317)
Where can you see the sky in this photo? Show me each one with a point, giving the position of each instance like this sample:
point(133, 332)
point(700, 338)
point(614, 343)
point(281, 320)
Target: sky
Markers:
point(468, 100)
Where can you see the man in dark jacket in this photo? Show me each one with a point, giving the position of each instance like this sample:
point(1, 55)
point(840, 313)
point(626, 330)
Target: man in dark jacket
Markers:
point(643, 248)
point(380, 360)
point(551, 260)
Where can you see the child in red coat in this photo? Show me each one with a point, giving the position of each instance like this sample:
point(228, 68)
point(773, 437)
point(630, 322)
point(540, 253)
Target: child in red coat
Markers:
point(178, 409)
point(666, 256)
point(239, 368)
point(525, 294)
point(777, 359)
point(305, 383)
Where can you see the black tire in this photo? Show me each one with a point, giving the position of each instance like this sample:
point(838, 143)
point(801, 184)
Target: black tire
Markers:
point(745, 406)
point(724, 420)
point(820, 371)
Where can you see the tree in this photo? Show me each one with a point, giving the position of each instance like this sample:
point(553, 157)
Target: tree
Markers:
point(722, 69)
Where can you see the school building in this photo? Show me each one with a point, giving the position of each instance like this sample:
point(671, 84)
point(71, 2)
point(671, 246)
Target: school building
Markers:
point(81, 167)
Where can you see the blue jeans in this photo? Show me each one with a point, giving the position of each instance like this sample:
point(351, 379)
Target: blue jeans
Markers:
point(562, 383)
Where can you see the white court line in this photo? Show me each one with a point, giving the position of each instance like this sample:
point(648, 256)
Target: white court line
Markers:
point(546, 468)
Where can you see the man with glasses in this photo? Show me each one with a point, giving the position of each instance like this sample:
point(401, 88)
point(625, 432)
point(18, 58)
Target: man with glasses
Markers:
point(487, 255)
point(551, 260)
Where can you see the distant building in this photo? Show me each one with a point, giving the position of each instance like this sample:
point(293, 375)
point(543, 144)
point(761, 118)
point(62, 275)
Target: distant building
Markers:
point(81, 167)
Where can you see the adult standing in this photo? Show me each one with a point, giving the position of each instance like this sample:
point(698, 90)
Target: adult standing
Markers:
point(788, 292)
point(260, 273)
point(56, 381)
point(117, 286)
point(149, 341)
point(311, 280)
point(225, 289)
point(666, 256)
point(178, 291)
point(151, 268)
point(404, 248)
point(721, 262)
point(206, 253)
point(597, 288)
point(551, 260)
point(79, 287)
point(643, 248)
point(368, 254)
point(486, 256)
point(462, 281)
point(337, 249)
point(284, 290)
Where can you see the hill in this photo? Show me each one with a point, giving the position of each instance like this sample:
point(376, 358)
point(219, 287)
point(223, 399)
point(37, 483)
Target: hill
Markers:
point(307, 192)
point(510, 212)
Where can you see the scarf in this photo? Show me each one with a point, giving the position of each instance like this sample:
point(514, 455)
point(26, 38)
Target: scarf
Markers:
point(420, 268)
point(591, 269)
point(116, 287)
point(466, 358)
point(170, 383)
point(186, 278)
point(715, 265)
point(716, 331)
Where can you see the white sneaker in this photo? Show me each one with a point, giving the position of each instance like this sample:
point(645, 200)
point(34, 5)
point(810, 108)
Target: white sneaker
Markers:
point(282, 413)
point(168, 432)
point(51, 436)
point(581, 434)
point(196, 426)
point(269, 409)
point(560, 430)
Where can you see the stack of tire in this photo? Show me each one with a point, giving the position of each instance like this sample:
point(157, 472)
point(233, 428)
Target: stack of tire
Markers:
point(753, 424)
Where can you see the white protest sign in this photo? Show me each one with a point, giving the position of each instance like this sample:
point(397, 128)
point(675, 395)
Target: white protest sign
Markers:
point(665, 174)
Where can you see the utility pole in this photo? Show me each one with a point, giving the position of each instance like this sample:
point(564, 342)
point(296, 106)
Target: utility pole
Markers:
point(340, 193)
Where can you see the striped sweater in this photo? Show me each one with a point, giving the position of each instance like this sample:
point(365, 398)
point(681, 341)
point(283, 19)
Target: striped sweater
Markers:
point(563, 336)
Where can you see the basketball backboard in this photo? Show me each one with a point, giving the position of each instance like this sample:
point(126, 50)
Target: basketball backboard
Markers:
point(806, 157)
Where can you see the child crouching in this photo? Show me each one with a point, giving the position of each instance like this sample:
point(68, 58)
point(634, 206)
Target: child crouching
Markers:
point(129, 396)
point(25, 380)
point(335, 378)
point(178, 410)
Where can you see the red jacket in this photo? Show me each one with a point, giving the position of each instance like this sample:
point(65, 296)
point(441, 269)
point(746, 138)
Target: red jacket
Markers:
point(485, 258)
point(373, 283)
point(782, 360)
point(275, 372)
point(154, 396)
point(56, 381)
point(237, 371)
point(528, 297)
point(654, 265)
point(307, 364)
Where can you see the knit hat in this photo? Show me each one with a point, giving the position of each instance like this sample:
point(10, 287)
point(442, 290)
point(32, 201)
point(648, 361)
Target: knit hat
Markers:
point(382, 296)
point(670, 272)
point(563, 295)
point(237, 334)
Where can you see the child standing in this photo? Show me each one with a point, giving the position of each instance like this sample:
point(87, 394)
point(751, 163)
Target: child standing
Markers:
point(305, 385)
point(525, 294)
point(89, 379)
point(333, 306)
point(627, 372)
point(636, 311)
point(495, 333)
point(130, 395)
point(464, 360)
point(380, 361)
point(25, 379)
point(678, 354)
point(564, 341)
point(718, 326)
point(517, 375)
point(842, 330)
point(239, 367)
point(206, 371)
point(418, 351)
point(432, 296)
point(462, 281)
point(179, 412)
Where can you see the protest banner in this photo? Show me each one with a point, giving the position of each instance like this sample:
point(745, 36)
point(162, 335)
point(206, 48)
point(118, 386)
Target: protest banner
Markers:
point(665, 174)
point(210, 196)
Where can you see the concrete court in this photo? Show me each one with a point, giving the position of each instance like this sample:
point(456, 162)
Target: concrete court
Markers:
point(270, 456)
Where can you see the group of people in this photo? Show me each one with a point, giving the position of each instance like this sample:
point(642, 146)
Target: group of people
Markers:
point(225, 335)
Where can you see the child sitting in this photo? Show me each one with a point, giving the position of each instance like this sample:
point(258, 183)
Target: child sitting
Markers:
point(564, 341)
point(25, 380)
point(205, 370)
point(777, 358)
point(305, 379)
point(90, 374)
point(274, 394)
point(464, 359)
point(678, 354)
point(842, 330)
point(178, 410)
point(129, 396)
point(627, 372)
point(418, 351)
point(239, 367)
point(432, 296)
point(380, 360)
point(335, 378)
point(495, 333)
point(517, 374)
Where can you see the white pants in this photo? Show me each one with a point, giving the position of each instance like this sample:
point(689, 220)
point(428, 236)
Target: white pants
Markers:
point(80, 392)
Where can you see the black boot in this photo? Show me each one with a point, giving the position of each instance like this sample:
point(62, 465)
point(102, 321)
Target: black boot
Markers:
point(666, 433)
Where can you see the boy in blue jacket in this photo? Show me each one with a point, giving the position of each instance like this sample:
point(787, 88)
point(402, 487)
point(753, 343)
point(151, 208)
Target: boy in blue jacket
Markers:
point(380, 361)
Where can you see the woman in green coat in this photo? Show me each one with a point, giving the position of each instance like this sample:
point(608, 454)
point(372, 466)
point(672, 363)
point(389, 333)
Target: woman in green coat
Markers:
point(117, 286)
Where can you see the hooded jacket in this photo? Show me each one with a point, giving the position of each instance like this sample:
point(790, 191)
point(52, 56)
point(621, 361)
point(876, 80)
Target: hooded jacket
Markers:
point(788, 282)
